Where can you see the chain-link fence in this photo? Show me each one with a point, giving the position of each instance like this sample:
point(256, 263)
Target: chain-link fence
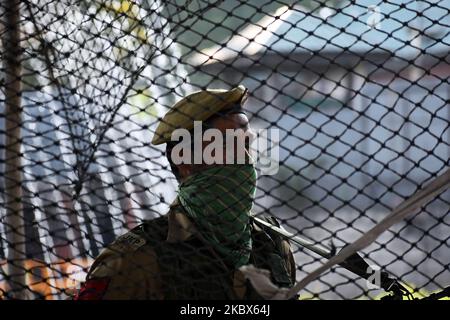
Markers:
point(358, 90)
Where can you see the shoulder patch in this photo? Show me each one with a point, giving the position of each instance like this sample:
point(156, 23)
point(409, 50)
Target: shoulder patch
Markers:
point(129, 241)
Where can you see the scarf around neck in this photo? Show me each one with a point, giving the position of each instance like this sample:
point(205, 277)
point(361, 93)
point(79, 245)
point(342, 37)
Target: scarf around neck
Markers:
point(219, 201)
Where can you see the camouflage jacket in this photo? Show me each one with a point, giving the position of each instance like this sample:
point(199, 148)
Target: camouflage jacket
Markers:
point(165, 258)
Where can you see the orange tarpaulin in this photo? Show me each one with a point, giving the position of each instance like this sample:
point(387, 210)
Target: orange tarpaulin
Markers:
point(51, 281)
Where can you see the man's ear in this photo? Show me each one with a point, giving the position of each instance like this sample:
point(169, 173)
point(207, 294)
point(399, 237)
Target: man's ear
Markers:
point(173, 167)
point(184, 170)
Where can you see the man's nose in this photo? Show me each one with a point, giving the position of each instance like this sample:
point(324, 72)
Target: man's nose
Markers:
point(251, 134)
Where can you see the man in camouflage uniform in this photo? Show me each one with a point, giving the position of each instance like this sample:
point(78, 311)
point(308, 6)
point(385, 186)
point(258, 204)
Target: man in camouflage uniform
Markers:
point(195, 251)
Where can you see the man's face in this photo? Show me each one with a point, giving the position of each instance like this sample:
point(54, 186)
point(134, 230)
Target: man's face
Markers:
point(236, 136)
point(236, 124)
point(231, 121)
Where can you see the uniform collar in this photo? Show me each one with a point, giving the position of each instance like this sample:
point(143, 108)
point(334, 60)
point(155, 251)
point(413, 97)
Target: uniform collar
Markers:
point(181, 227)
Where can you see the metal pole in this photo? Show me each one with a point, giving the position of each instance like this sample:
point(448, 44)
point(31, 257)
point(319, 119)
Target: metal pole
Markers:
point(354, 263)
point(14, 223)
point(303, 241)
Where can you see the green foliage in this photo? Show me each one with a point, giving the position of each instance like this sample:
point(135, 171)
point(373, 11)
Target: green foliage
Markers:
point(142, 105)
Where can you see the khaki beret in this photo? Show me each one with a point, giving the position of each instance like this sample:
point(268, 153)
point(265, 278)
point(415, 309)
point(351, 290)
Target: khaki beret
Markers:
point(198, 106)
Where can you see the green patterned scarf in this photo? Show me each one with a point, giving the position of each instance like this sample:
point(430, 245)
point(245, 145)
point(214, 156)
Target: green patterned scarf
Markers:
point(219, 201)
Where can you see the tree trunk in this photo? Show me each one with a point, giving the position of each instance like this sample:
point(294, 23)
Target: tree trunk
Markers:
point(14, 223)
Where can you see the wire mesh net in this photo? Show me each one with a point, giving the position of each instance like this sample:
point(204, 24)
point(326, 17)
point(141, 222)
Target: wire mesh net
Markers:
point(358, 91)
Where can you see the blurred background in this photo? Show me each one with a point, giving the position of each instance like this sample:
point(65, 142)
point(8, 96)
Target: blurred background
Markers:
point(358, 89)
